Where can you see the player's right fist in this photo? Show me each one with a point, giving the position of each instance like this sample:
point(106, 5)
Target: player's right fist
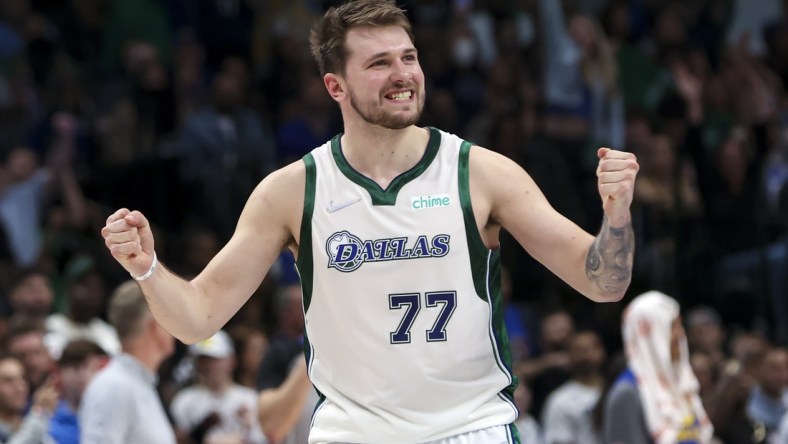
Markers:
point(129, 238)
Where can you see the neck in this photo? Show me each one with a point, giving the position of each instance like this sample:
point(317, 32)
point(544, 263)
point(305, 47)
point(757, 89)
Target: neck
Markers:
point(219, 386)
point(148, 354)
point(383, 154)
point(79, 320)
point(73, 402)
point(589, 380)
point(11, 418)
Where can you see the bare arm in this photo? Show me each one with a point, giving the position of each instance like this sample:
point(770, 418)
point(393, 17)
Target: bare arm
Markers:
point(280, 408)
point(609, 260)
point(194, 310)
point(598, 267)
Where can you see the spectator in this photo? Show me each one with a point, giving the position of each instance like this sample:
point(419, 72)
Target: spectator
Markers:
point(311, 121)
point(666, 200)
point(16, 79)
point(615, 365)
point(768, 400)
point(85, 295)
point(224, 28)
point(706, 334)
point(547, 370)
point(120, 404)
point(251, 343)
point(216, 408)
point(287, 342)
point(199, 245)
point(78, 363)
point(226, 149)
point(25, 341)
point(530, 431)
point(286, 409)
point(581, 79)
point(706, 374)
point(16, 426)
point(750, 20)
point(515, 320)
point(139, 109)
point(128, 21)
point(656, 398)
point(727, 404)
point(25, 187)
point(567, 412)
point(287, 398)
point(31, 297)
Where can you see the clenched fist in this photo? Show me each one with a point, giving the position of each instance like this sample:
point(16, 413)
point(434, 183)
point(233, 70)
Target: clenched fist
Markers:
point(130, 240)
point(616, 180)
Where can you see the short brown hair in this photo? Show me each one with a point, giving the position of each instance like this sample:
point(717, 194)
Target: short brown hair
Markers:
point(78, 351)
point(127, 309)
point(327, 39)
point(18, 327)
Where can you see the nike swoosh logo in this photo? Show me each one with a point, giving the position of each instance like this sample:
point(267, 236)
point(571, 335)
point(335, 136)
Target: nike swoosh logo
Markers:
point(331, 208)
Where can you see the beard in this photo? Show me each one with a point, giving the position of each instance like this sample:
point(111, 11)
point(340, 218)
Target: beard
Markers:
point(374, 114)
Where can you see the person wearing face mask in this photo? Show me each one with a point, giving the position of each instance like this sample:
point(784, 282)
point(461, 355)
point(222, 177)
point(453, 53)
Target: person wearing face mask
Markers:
point(655, 400)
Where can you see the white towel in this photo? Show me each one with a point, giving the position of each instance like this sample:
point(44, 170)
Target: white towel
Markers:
point(668, 391)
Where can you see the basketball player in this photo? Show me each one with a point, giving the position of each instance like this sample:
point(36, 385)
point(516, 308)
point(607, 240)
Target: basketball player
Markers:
point(395, 229)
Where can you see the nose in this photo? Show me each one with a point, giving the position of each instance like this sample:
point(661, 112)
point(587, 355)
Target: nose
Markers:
point(401, 77)
point(401, 73)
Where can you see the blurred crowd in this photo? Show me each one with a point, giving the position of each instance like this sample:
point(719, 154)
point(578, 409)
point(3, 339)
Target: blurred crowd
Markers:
point(179, 108)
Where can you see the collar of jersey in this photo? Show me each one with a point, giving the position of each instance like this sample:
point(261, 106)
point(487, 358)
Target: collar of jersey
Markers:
point(379, 195)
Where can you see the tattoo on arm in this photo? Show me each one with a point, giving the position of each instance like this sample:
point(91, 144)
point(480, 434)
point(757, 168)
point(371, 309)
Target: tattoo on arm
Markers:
point(609, 260)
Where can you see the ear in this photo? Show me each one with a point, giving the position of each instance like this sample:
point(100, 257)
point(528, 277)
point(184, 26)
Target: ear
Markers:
point(335, 86)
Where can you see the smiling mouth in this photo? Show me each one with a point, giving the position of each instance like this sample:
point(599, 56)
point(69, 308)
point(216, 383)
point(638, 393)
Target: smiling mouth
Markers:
point(401, 96)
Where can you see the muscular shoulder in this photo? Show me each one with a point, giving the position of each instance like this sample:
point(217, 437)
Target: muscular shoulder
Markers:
point(494, 169)
point(279, 198)
point(496, 181)
point(486, 162)
point(284, 181)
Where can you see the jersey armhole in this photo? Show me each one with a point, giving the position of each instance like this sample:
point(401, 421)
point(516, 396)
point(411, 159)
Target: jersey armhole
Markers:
point(475, 242)
point(305, 261)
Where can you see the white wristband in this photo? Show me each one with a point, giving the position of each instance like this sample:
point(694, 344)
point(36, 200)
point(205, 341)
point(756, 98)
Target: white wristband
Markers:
point(150, 271)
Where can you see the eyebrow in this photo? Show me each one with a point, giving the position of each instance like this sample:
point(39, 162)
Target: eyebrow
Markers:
point(385, 53)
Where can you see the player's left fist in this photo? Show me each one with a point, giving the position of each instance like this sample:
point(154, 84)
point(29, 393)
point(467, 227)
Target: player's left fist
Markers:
point(616, 180)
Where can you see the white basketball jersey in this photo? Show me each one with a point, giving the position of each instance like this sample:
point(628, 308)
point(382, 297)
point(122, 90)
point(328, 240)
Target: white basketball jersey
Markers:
point(404, 318)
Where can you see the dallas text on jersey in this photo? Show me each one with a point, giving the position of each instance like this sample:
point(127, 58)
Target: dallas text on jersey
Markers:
point(346, 252)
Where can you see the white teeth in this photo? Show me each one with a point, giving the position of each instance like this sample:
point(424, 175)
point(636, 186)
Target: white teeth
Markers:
point(401, 96)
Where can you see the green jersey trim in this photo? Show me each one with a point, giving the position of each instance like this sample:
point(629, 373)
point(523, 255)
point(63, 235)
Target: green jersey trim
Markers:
point(486, 271)
point(499, 339)
point(309, 354)
point(477, 251)
point(305, 261)
point(378, 195)
point(514, 434)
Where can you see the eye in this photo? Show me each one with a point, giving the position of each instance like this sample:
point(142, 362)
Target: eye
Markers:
point(409, 58)
point(378, 63)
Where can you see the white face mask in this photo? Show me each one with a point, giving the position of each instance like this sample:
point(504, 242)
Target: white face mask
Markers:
point(464, 51)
